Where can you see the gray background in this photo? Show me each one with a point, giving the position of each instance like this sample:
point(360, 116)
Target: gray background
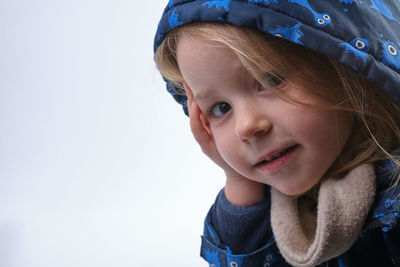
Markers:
point(97, 163)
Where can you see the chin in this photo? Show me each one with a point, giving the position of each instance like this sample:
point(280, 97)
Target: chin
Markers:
point(293, 191)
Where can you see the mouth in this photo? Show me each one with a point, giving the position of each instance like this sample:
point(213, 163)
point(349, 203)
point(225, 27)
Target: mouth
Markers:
point(276, 156)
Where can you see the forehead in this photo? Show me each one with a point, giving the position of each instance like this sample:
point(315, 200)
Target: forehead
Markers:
point(192, 49)
point(203, 61)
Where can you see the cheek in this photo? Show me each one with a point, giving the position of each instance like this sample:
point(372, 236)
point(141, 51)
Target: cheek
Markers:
point(326, 131)
point(226, 144)
point(301, 122)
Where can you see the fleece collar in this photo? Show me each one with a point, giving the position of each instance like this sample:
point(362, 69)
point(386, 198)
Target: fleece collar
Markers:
point(310, 232)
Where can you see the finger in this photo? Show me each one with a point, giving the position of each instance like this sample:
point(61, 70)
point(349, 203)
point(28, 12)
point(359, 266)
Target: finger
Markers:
point(205, 123)
point(200, 133)
point(188, 91)
point(189, 94)
point(190, 101)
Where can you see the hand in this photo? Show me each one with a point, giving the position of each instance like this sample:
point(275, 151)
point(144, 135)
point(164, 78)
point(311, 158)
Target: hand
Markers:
point(203, 136)
point(238, 189)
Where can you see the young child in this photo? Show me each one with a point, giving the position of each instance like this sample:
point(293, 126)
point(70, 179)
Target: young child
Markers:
point(296, 100)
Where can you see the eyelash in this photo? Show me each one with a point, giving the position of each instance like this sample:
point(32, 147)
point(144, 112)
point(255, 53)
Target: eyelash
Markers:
point(273, 80)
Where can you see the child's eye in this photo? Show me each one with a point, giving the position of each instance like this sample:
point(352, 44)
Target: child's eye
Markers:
point(219, 109)
point(272, 80)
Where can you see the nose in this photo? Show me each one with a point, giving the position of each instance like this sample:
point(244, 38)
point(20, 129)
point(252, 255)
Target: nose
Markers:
point(251, 124)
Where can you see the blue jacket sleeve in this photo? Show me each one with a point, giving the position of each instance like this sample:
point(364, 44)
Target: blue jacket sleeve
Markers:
point(244, 229)
point(239, 236)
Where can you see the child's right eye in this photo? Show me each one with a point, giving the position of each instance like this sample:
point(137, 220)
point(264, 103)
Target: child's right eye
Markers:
point(219, 109)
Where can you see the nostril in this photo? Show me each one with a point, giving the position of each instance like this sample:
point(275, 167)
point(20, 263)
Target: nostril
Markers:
point(261, 133)
point(254, 131)
point(251, 123)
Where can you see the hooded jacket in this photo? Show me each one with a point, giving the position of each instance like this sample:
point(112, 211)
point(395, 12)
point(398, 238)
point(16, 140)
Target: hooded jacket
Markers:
point(363, 34)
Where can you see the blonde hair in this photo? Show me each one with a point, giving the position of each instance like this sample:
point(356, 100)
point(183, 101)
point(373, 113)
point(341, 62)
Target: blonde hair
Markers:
point(376, 131)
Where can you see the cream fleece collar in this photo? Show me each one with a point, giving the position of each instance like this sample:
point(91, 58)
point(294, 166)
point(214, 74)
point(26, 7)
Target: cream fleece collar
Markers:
point(309, 233)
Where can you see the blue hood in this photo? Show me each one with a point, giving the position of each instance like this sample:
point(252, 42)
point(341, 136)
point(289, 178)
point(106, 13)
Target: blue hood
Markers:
point(364, 35)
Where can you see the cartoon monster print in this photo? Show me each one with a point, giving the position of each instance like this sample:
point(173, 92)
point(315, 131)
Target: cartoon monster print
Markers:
point(267, 2)
point(269, 260)
point(220, 19)
point(159, 36)
point(218, 4)
point(390, 55)
point(237, 262)
point(212, 258)
point(382, 8)
point(174, 19)
point(234, 260)
point(358, 47)
point(321, 19)
point(390, 216)
point(289, 33)
point(347, 2)
point(360, 44)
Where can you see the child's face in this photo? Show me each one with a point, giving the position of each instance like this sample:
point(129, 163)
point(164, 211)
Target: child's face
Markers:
point(261, 136)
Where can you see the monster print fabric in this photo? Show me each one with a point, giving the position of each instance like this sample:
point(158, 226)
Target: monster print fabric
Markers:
point(364, 35)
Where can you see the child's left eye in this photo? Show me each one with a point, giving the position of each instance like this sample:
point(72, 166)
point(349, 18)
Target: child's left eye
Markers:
point(272, 80)
point(219, 109)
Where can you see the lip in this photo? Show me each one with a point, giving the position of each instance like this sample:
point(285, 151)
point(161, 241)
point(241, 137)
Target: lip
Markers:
point(277, 163)
point(274, 152)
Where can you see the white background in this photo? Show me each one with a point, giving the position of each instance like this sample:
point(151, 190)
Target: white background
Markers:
point(97, 163)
